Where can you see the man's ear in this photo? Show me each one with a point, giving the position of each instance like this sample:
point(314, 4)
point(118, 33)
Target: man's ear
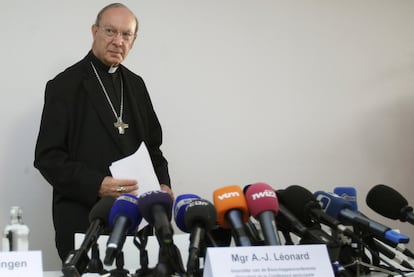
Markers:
point(133, 41)
point(94, 30)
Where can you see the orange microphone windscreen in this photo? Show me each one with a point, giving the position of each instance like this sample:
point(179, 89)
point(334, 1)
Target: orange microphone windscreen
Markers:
point(229, 198)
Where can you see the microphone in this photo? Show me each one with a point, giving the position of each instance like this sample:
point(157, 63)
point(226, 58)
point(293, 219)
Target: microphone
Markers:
point(124, 218)
point(310, 234)
point(255, 237)
point(391, 255)
point(200, 217)
point(264, 206)
point(232, 212)
point(397, 206)
point(349, 194)
point(180, 206)
point(77, 260)
point(287, 221)
point(313, 235)
point(304, 205)
point(156, 207)
point(341, 209)
point(311, 210)
point(217, 236)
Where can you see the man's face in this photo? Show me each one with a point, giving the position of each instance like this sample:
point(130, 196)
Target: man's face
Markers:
point(114, 36)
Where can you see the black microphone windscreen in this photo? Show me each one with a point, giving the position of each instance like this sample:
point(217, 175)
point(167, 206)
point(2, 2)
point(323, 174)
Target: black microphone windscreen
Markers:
point(298, 200)
point(386, 201)
point(101, 210)
point(246, 187)
point(200, 212)
point(157, 197)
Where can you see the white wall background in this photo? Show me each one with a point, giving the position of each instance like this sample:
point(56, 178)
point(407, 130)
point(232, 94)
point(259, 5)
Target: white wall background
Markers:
point(309, 92)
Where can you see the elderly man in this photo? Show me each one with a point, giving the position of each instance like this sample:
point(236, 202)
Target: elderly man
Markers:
point(96, 112)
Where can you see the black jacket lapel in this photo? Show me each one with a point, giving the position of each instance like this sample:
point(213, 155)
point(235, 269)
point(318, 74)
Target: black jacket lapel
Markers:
point(133, 98)
point(102, 108)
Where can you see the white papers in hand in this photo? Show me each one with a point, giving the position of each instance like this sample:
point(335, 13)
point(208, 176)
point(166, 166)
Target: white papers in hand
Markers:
point(137, 166)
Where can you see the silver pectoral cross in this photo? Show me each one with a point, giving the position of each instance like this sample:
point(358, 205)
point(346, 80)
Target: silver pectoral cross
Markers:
point(121, 126)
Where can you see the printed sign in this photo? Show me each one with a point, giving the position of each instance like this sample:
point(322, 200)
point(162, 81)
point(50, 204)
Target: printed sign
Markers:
point(21, 264)
point(268, 261)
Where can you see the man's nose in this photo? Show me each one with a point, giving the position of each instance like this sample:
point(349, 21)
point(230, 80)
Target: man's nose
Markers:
point(117, 39)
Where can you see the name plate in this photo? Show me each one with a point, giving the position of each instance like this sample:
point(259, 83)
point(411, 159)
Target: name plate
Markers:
point(21, 264)
point(268, 261)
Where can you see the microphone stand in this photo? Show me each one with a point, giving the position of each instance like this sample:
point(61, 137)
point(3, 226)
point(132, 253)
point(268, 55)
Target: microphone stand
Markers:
point(95, 264)
point(287, 237)
point(253, 234)
point(119, 271)
point(169, 258)
point(142, 236)
point(362, 232)
point(169, 261)
point(193, 263)
point(375, 251)
point(360, 229)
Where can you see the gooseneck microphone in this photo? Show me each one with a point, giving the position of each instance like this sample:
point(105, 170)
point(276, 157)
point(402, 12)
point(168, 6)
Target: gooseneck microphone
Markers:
point(397, 206)
point(341, 209)
point(264, 206)
point(200, 217)
point(232, 212)
point(77, 260)
point(124, 219)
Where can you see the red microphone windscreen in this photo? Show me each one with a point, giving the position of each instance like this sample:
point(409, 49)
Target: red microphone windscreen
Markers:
point(229, 198)
point(261, 197)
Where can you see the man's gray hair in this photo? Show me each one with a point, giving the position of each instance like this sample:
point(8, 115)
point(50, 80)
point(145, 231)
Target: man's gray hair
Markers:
point(115, 5)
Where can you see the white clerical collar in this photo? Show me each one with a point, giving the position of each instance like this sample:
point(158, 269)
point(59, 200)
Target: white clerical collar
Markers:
point(112, 69)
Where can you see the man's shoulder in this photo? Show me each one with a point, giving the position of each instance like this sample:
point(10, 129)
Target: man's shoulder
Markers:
point(130, 74)
point(67, 83)
point(72, 72)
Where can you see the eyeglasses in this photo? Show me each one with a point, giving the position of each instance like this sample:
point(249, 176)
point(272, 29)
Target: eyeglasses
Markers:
point(111, 32)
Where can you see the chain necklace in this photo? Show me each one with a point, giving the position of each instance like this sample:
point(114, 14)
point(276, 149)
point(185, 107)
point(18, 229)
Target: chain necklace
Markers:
point(119, 124)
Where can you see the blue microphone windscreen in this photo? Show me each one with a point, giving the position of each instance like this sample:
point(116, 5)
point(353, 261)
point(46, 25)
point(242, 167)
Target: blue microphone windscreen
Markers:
point(156, 197)
point(180, 206)
point(349, 194)
point(331, 203)
point(126, 205)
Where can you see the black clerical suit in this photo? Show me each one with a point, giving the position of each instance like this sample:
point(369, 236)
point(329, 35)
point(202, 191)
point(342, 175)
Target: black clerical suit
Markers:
point(77, 140)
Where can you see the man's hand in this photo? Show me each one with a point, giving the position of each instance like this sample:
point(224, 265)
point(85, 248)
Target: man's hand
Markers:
point(115, 187)
point(167, 189)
